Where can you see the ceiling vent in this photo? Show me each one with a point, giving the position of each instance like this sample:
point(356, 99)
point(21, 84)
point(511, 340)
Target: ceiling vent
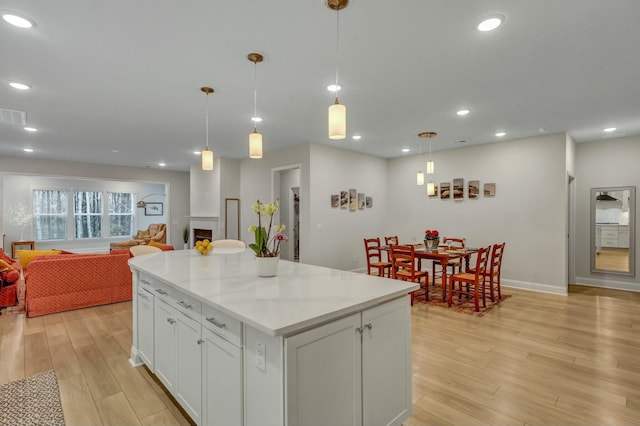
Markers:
point(11, 116)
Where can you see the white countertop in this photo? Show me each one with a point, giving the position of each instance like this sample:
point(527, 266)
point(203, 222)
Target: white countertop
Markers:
point(299, 297)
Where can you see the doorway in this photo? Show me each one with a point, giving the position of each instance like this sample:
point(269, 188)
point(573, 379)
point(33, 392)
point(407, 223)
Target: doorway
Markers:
point(286, 188)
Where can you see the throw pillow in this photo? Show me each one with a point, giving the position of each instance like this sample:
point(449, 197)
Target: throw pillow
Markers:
point(164, 247)
point(26, 256)
point(10, 277)
point(4, 264)
point(4, 256)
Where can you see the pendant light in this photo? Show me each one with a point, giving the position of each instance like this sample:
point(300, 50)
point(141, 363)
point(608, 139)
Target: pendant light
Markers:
point(337, 111)
point(420, 175)
point(255, 138)
point(207, 154)
point(431, 168)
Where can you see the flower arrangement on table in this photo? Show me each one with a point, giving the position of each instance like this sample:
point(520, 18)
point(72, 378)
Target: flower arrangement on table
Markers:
point(431, 238)
point(267, 245)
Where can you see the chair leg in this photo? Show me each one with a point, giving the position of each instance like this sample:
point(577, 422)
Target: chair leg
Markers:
point(475, 297)
point(450, 289)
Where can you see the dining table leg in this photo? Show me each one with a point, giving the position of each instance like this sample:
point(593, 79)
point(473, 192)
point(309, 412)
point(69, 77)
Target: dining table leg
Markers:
point(443, 264)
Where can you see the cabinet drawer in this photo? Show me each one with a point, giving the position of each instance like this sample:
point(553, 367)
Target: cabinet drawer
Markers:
point(609, 234)
point(186, 304)
point(146, 282)
point(222, 324)
point(609, 242)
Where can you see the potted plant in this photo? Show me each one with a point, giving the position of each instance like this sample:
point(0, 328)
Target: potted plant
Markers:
point(431, 238)
point(185, 237)
point(266, 246)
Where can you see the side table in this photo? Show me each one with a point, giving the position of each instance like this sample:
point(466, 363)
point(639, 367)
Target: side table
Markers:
point(31, 244)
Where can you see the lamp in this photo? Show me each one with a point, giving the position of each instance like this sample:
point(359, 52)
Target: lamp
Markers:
point(431, 167)
point(141, 204)
point(207, 154)
point(255, 138)
point(420, 175)
point(337, 111)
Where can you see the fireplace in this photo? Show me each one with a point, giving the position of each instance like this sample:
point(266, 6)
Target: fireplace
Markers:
point(202, 234)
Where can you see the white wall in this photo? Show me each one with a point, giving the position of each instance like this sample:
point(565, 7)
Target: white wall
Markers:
point(336, 234)
point(176, 203)
point(603, 163)
point(529, 210)
point(229, 188)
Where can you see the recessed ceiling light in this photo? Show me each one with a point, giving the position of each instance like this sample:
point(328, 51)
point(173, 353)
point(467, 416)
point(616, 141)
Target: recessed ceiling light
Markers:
point(490, 23)
point(543, 129)
point(463, 112)
point(28, 150)
point(161, 164)
point(256, 119)
point(405, 150)
point(18, 21)
point(609, 129)
point(356, 137)
point(500, 134)
point(19, 86)
point(114, 150)
point(334, 88)
point(31, 129)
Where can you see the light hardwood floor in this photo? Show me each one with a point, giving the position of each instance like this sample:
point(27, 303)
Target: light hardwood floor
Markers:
point(535, 359)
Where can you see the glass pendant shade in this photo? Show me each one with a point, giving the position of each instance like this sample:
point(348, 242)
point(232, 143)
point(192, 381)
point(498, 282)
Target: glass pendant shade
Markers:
point(431, 189)
point(420, 178)
point(431, 167)
point(255, 144)
point(207, 159)
point(337, 121)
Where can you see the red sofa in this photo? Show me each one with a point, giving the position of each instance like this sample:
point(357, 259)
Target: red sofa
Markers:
point(70, 281)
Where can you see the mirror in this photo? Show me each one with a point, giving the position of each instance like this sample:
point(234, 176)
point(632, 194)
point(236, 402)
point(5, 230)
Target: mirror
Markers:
point(613, 230)
point(232, 218)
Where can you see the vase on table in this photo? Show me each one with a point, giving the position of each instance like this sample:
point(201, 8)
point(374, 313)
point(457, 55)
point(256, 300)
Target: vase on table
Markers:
point(267, 266)
point(430, 244)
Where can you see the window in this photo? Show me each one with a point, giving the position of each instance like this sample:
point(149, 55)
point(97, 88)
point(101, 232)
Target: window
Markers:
point(50, 214)
point(87, 214)
point(120, 214)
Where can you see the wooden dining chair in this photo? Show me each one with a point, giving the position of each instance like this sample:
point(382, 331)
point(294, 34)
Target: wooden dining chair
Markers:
point(375, 264)
point(405, 267)
point(436, 267)
point(388, 241)
point(492, 273)
point(471, 283)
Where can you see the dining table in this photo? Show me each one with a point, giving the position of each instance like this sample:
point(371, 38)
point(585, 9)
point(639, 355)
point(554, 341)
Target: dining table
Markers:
point(443, 255)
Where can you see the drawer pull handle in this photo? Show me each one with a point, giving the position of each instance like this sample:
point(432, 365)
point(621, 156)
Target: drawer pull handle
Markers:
point(184, 304)
point(161, 291)
point(143, 281)
point(200, 341)
point(217, 323)
point(171, 321)
point(144, 296)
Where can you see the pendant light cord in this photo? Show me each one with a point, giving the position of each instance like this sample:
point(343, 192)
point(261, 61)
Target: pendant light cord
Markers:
point(206, 121)
point(337, 47)
point(255, 94)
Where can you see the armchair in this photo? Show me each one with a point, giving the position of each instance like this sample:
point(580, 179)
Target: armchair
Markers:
point(156, 232)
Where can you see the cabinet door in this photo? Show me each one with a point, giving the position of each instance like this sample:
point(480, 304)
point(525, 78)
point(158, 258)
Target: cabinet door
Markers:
point(323, 375)
point(145, 327)
point(221, 381)
point(386, 363)
point(165, 343)
point(188, 384)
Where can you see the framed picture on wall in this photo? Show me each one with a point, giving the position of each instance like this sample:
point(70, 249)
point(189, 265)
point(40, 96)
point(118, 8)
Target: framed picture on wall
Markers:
point(153, 209)
point(369, 202)
point(344, 199)
point(335, 201)
point(353, 200)
point(489, 189)
point(474, 189)
point(445, 191)
point(458, 189)
point(360, 200)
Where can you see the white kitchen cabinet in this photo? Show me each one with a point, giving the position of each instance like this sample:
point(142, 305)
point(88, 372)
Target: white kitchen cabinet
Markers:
point(188, 389)
point(609, 236)
point(353, 371)
point(146, 333)
point(221, 381)
point(165, 344)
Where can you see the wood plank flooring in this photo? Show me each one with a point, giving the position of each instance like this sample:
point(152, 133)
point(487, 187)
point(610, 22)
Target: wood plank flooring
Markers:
point(535, 359)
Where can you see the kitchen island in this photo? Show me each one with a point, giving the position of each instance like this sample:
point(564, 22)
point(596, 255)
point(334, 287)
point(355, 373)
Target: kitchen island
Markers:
point(312, 345)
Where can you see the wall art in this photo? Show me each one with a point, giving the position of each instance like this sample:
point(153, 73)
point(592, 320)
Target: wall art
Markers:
point(474, 189)
point(360, 200)
point(458, 189)
point(344, 199)
point(335, 200)
point(489, 189)
point(445, 191)
point(353, 200)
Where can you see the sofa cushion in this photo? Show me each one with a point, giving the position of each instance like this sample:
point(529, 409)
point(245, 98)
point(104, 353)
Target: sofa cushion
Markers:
point(5, 265)
point(10, 276)
point(26, 256)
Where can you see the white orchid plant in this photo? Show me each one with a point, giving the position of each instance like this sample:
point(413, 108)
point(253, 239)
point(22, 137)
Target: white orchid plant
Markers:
point(267, 245)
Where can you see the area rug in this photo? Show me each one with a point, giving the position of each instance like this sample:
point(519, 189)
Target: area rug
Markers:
point(463, 305)
point(31, 401)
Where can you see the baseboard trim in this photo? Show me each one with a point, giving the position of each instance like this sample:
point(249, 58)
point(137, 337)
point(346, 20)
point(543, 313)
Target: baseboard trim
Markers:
point(542, 288)
point(608, 283)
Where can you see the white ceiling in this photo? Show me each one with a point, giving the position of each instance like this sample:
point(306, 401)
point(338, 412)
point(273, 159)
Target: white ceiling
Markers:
point(126, 75)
